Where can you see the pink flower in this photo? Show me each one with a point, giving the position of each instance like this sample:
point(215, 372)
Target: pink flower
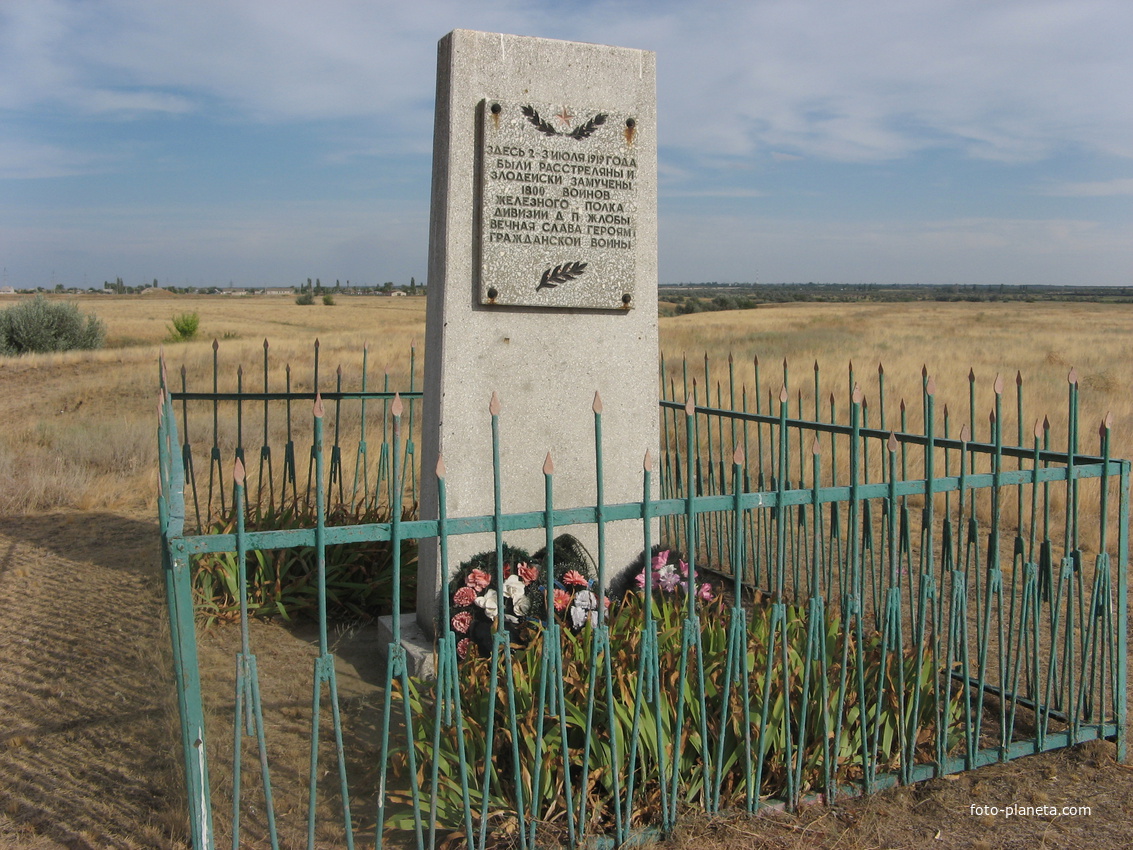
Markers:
point(660, 559)
point(462, 647)
point(507, 569)
point(574, 577)
point(463, 597)
point(706, 593)
point(640, 580)
point(478, 580)
point(683, 567)
point(562, 599)
point(527, 573)
point(462, 622)
point(669, 581)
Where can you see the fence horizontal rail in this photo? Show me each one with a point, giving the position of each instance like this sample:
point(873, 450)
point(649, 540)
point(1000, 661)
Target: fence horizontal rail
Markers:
point(251, 395)
point(565, 517)
point(902, 437)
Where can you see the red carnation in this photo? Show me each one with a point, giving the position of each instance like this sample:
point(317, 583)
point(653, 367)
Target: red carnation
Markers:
point(478, 580)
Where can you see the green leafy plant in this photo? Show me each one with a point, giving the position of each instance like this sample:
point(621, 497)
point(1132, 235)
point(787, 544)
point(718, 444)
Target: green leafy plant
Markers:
point(787, 668)
point(305, 299)
point(328, 300)
point(40, 325)
point(284, 582)
point(184, 327)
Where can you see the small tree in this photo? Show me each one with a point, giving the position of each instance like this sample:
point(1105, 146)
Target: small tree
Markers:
point(184, 327)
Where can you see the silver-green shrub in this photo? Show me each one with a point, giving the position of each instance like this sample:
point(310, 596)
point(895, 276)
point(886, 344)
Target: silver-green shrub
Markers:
point(41, 325)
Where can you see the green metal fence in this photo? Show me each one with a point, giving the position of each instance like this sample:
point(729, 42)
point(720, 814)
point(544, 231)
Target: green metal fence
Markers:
point(280, 468)
point(883, 607)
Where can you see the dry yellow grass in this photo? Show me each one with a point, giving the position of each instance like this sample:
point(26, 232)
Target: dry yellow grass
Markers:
point(143, 320)
point(79, 426)
point(1042, 341)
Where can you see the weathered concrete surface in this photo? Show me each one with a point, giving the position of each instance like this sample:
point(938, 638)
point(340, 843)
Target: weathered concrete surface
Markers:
point(545, 364)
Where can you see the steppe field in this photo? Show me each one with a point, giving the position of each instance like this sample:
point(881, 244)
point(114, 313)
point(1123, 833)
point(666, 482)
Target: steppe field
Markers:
point(88, 742)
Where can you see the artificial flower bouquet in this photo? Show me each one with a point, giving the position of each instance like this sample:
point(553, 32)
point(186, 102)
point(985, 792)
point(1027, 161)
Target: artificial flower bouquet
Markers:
point(669, 576)
point(476, 601)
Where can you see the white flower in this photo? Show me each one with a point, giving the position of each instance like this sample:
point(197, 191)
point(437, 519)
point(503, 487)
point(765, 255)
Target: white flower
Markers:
point(513, 587)
point(516, 591)
point(584, 602)
point(490, 603)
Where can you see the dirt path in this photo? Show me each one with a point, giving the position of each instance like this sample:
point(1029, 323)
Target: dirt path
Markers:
point(87, 747)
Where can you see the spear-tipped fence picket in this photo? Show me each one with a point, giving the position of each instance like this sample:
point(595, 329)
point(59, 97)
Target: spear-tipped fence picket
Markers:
point(893, 606)
point(279, 477)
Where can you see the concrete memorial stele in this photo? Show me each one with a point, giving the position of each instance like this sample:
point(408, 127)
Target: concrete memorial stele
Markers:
point(542, 285)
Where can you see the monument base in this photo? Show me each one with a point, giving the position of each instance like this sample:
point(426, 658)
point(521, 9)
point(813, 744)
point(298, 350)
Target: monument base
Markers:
point(420, 659)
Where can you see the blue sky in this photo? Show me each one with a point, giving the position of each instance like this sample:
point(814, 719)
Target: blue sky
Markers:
point(267, 141)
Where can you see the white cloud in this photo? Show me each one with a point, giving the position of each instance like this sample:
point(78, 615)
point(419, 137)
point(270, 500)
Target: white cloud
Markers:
point(1008, 80)
point(21, 159)
point(742, 85)
point(1011, 80)
point(1096, 189)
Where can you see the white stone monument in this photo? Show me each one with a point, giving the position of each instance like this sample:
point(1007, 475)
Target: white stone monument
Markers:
point(542, 285)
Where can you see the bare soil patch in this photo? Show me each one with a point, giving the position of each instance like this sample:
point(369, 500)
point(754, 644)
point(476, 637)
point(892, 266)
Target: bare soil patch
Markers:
point(87, 747)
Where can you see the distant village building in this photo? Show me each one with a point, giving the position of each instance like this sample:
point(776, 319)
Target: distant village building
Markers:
point(7, 290)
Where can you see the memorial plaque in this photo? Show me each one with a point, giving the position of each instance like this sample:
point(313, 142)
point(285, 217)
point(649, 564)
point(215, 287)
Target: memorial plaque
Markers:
point(558, 205)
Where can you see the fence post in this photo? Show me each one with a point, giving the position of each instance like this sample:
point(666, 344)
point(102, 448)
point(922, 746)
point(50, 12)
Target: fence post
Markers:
point(1123, 616)
point(179, 601)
